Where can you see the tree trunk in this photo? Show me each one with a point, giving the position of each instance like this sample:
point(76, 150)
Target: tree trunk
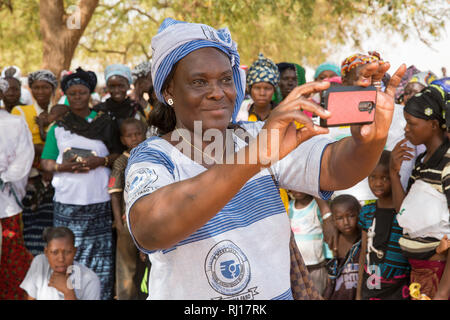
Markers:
point(62, 32)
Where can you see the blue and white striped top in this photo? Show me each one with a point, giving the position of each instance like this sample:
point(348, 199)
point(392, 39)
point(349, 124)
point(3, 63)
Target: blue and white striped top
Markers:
point(243, 251)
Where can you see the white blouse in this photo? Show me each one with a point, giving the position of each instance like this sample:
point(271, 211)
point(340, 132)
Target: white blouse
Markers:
point(83, 280)
point(16, 158)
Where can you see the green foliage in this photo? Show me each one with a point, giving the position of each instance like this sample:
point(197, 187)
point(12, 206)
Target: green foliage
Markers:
point(20, 36)
point(301, 31)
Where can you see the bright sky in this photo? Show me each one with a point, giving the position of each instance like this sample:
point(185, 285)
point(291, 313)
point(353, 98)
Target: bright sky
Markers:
point(397, 51)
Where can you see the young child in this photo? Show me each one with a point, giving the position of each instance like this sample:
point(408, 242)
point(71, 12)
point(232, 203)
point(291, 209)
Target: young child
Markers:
point(132, 133)
point(343, 268)
point(306, 223)
point(383, 270)
point(423, 208)
point(57, 112)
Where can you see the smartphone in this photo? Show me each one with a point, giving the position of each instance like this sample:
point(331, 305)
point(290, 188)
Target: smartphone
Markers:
point(349, 105)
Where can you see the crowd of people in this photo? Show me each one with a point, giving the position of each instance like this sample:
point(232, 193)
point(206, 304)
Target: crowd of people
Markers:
point(122, 196)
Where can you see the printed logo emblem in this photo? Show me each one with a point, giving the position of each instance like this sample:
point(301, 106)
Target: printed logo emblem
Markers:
point(228, 270)
point(139, 183)
point(141, 178)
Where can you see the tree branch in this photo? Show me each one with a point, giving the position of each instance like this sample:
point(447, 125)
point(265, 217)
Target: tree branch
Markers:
point(7, 4)
point(109, 51)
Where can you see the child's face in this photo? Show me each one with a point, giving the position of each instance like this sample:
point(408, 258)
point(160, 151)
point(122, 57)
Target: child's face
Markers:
point(417, 131)
point(380, 181)
point(345, 218)
point(299, 195)
point(132, 135)
point(56, 114)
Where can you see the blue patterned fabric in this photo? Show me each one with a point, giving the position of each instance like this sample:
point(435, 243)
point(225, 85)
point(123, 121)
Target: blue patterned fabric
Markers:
point(35, 221)
point(176, 39)
point(92, 226)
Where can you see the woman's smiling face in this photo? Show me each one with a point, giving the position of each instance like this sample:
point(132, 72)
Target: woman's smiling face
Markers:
point(202, 89)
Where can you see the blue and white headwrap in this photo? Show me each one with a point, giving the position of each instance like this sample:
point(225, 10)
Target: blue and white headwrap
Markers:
point(118, 70)
point(176, 39)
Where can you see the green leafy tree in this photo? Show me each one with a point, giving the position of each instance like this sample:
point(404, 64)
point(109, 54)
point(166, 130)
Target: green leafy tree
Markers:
point(34, 33)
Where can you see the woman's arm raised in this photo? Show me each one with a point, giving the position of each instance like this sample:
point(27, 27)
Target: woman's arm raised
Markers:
point(173, 212)
point(351, 159)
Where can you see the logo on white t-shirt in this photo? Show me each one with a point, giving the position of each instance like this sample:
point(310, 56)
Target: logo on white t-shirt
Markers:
point(139, 182)
point(228, 271)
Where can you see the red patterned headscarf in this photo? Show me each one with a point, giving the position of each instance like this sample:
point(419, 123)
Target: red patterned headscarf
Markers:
point(358, 59)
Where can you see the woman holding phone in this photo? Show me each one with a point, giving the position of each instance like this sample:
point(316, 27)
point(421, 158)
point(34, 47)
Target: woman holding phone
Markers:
point(79, 151)
point(226, 223)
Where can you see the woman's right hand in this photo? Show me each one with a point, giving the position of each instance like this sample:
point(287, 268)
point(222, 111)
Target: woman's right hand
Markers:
point(400, 153)
point(279, 135)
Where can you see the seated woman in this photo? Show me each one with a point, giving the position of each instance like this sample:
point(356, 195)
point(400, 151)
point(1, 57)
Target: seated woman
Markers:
point(54, 275)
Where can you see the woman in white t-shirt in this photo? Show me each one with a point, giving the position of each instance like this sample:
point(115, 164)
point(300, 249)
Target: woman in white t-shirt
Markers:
point(220, 231)
point(81, 201)
point(55, 275)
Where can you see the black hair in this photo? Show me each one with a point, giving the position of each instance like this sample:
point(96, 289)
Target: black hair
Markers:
point(51, 233)
point(346, 199)
point(385, 158)
point(162, 115)
point(132, 121)
point(283, 66)
point(60, 106)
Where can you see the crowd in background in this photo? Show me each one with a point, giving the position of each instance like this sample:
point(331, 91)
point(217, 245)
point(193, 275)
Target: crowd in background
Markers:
point(64, 150)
